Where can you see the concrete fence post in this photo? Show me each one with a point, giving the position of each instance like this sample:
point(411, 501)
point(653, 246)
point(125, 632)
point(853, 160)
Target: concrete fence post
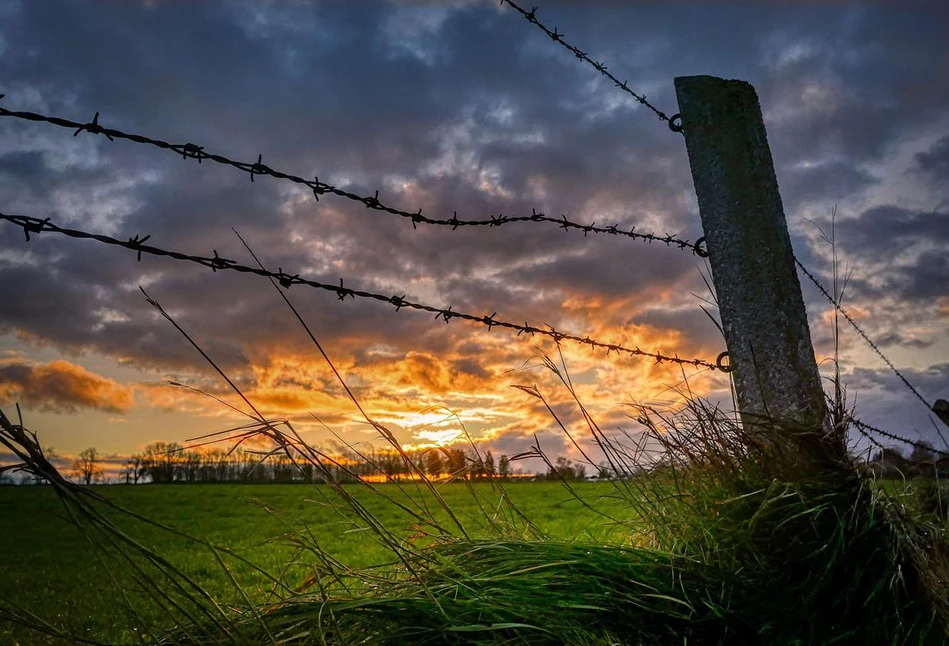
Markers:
point(759, 295)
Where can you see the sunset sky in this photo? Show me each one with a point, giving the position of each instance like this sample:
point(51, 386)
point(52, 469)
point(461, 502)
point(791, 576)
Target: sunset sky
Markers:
point(446, 107)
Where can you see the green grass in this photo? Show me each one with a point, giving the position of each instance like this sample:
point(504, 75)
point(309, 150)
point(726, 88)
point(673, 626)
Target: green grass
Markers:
point(766, 534)
point(49, 567)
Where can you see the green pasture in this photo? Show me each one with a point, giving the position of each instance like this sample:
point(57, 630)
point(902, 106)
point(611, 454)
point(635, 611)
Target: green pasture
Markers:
point(49, 567)
point(52, 569)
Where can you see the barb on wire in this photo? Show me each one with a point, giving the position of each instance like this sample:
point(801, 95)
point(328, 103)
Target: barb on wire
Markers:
point(286, 280)
point(853, 323)
point(194, 151)
point(674, 122)
point(865, 428)
point(872, 440)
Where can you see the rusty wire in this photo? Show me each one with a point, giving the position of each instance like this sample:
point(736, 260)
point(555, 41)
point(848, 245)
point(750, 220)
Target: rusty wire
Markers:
point(674, 122)
point(33, 226)
point(194, 151)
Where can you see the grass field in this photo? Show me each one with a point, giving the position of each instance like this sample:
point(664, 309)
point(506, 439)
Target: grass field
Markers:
point(730, 540)
point(48, 566)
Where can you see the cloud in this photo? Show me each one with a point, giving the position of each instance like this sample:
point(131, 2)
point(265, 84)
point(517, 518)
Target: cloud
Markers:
point(62, 387)
point(460, 108)
point(935, 161)
point(899, 253)
point(892, 230)
point(815, 182)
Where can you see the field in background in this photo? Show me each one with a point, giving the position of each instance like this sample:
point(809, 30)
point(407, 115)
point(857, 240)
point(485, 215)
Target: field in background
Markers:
point(49, 567)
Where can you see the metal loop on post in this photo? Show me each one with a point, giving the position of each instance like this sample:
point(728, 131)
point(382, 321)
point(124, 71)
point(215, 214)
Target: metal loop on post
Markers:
point(724, 367)
point(675, 122)
point(699, 251)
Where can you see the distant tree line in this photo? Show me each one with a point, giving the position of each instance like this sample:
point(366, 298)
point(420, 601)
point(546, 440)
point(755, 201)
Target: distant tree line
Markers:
point(169, 462)
point(165, 463)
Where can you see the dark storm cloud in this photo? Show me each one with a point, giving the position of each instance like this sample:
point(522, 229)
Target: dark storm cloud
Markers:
point(935, 161)
point(630, 273)
point(930, 381)
point(926, 280)
point(850, 86)
point(901, 252)
point(694, 324)
point(22, 165)
point(895, 337)
point(836, 180)
point(446, 109)
point(76, 316)
point(891, 230)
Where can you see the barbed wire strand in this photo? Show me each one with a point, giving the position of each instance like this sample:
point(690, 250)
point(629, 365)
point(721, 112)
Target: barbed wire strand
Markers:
point(865, 428)
point(872, 440)
point(34, 226)
point(863, 334)
point(194, 151)
point(674, 122)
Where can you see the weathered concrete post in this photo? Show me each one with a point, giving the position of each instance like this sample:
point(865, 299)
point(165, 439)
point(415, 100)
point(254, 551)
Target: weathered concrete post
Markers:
point(759, 296)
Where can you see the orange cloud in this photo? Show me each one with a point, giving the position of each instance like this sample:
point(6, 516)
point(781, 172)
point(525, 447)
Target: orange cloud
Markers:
point(432, 373)
point(942, 306)
point(61, 386)
point(429, 397)
point(856, 312)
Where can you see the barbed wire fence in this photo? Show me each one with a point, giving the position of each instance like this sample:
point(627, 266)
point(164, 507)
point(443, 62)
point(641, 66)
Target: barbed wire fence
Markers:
point(319, 189)
point(674, 123)
point(31, 225)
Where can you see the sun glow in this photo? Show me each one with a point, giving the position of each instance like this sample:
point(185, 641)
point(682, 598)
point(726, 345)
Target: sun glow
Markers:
point(438, 438)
